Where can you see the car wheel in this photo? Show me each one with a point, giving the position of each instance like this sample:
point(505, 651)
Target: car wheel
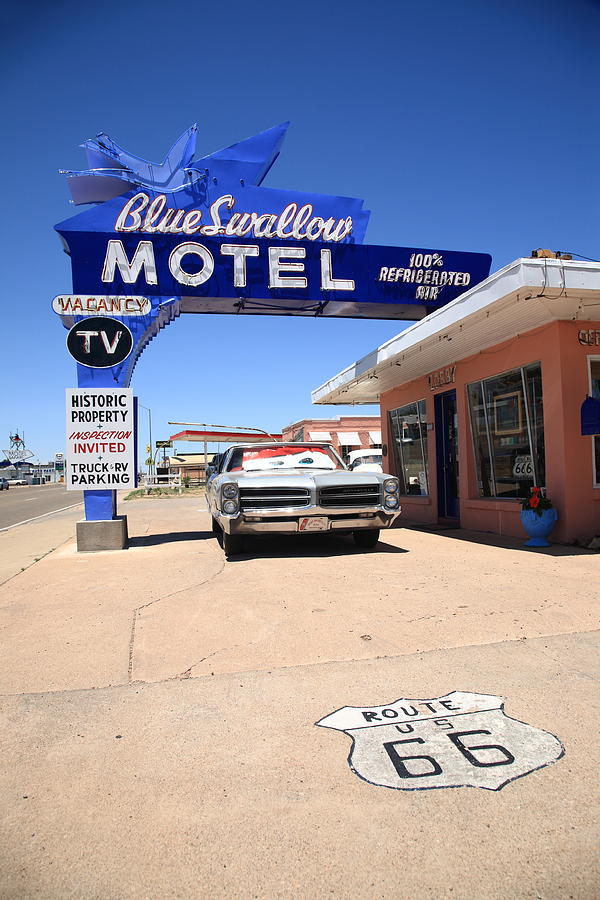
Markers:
point(367, 538)
point(232, 544)
point(216, 528)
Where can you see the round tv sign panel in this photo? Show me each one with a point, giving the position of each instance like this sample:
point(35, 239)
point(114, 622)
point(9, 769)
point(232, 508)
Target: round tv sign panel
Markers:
point(100, 342)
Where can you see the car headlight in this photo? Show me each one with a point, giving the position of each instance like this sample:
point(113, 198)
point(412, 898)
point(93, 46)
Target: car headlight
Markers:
point(391, 502)
point(230, 507)
point(390, 485)
point(230, 489)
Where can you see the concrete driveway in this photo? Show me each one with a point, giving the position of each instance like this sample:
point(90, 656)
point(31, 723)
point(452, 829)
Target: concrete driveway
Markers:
point(158, 710)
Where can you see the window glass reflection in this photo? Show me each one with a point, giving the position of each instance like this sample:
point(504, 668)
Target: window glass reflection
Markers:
point(507, 425)
point(409, 438)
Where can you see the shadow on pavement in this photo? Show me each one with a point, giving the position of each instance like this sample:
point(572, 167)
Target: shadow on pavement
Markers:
point(495, 540)
point(305, 547)
point(169, 537)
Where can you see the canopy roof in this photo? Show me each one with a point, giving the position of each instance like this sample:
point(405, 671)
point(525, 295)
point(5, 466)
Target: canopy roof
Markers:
point(522, 296)
point(234, 437)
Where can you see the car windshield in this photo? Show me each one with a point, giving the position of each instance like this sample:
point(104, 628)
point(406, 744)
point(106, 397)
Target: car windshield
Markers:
point(371, 458)
point(283, 456)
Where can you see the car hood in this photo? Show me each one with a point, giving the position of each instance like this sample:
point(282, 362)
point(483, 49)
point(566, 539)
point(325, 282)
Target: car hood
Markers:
point(303, 478)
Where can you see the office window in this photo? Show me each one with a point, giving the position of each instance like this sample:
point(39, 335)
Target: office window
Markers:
point(595, 392)
point(507, 426)
point(409, 438)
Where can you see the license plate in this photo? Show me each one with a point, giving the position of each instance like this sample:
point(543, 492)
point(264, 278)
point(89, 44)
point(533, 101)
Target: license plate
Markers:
point(313, 523)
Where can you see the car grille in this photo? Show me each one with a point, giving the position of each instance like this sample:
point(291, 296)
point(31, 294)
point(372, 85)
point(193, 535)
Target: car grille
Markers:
point(350, 495)
point(272, 498)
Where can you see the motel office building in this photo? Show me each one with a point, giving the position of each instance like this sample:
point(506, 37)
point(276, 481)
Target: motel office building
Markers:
point(481, 400)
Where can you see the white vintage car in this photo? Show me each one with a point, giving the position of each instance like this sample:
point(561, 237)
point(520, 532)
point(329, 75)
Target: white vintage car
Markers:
point(296, 488)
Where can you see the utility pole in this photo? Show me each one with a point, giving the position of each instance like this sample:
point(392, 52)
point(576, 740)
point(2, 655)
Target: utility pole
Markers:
point(151, 456)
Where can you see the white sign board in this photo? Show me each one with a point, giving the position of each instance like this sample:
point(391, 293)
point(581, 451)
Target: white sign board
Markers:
point(460, 740)
point(100, 445)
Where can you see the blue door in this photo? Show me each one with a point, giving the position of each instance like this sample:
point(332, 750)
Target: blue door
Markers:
point(446, 430)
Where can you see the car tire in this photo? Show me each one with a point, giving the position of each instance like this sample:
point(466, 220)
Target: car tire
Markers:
point(366, 539)
point(232, 544)
point(216, 528)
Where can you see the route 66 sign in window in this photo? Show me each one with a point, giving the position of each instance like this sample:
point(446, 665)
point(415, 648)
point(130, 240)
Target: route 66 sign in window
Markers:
point(460, 740)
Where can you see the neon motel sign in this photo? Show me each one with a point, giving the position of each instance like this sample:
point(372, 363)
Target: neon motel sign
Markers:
point(203, 235)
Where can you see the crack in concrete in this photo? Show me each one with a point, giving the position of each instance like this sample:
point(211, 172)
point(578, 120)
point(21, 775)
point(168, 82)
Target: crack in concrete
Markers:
point(324, 663)
point(138, 609)
point(270, 630)
point(188, 672)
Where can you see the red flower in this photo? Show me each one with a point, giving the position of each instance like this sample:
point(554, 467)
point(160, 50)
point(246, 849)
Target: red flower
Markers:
point(534, 501)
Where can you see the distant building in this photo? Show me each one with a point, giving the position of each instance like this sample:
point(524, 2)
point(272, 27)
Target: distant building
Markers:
point(46, 472)
point(346, 433)
point(190, 465)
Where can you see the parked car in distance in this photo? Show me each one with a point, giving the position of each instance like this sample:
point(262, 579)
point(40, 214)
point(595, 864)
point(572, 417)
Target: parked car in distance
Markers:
point(17, 481)
point(296, 488)
point(369, 460)
point(4, 484)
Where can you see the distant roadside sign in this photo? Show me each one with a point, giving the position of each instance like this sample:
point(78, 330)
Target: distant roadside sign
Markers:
point(163, 444)
point(18, 454)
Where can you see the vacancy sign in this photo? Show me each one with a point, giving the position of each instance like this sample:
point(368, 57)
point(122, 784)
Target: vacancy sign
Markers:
point(100, 443)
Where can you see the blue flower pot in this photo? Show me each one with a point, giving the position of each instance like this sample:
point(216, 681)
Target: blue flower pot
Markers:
point(538, 527)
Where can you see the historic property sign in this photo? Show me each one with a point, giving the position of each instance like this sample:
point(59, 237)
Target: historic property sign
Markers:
point(100, 439)
point(461, 740)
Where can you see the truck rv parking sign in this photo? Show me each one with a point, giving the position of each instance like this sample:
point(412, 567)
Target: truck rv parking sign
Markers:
point(100, 439)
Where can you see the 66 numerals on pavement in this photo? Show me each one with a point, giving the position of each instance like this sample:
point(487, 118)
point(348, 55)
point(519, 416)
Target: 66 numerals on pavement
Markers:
point(484, 749)
point(473, 743)
point(469, 751)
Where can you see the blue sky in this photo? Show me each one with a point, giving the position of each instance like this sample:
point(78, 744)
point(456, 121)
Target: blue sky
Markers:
point(463, 126)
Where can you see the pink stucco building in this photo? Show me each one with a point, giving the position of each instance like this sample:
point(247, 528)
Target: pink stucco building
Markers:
point(346, 433)
point(481, 400)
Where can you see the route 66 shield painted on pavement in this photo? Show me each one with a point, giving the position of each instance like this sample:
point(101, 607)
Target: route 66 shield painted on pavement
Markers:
point(460, 740)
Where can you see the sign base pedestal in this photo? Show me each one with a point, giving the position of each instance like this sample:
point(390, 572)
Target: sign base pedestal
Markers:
point(102, 534)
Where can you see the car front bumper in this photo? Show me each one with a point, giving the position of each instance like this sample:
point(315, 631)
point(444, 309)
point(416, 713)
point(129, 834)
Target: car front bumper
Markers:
point(283, 522)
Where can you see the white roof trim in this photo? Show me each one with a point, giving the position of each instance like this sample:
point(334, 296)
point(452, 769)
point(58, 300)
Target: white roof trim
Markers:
point(524, 295)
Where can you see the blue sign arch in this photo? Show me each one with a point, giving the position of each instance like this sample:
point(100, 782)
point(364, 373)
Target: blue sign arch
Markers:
point(205, 236)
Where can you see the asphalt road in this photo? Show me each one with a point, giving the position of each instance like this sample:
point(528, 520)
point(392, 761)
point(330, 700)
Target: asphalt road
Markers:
point(24, 502)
